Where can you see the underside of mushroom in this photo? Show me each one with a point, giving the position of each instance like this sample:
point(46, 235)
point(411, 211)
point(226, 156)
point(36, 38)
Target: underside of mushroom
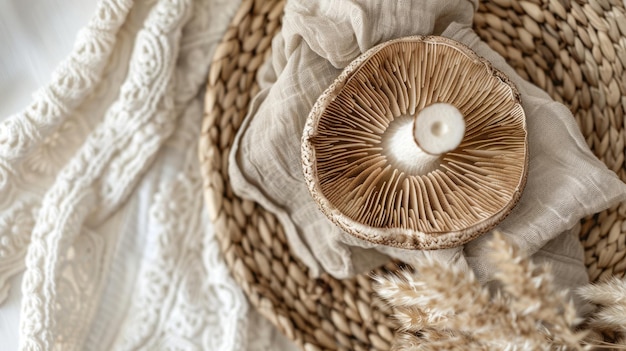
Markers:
point(368, 170)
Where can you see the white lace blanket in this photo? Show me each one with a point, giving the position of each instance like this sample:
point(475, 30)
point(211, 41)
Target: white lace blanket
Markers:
point(100, 198)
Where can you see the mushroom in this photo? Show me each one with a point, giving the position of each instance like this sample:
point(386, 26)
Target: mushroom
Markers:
point(418, 144)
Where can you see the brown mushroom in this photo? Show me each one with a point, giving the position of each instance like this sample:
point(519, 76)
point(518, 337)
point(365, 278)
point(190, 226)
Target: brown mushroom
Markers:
point(418, 144)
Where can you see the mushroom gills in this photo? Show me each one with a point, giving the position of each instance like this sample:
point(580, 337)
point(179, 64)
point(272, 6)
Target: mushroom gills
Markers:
point(418, 144)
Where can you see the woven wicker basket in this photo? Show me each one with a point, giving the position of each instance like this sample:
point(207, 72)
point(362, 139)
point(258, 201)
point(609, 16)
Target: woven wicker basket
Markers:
point(573, 49)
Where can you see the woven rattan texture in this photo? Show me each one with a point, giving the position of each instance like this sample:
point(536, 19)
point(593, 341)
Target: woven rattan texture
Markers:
point(575, 50)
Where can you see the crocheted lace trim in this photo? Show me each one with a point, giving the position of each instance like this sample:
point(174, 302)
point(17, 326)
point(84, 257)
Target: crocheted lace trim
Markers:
point(126, 96)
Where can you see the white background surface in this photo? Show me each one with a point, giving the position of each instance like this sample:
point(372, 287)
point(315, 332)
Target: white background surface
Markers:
point(35, 36)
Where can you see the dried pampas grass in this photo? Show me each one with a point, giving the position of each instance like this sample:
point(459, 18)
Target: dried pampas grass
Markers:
point(610, 317)
point(442, 308)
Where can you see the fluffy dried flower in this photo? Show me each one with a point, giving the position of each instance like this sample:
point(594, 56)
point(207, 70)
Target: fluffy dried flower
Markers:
point(610, 318)
point(442, 308)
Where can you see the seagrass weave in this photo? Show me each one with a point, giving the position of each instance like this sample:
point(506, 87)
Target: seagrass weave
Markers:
point(575, 50)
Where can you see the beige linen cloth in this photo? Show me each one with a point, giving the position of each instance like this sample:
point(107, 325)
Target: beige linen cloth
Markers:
point(565, 181)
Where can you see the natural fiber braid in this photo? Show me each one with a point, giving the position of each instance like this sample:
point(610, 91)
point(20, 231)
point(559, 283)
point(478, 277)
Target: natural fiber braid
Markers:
point(317, 314)
point(576, 51)
point(559, 45)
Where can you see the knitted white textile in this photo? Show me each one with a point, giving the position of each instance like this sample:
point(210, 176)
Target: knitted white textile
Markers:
point(100, 196)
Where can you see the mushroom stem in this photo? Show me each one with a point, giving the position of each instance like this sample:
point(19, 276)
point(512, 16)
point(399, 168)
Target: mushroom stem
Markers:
point(438, 128)
point(400, 147)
